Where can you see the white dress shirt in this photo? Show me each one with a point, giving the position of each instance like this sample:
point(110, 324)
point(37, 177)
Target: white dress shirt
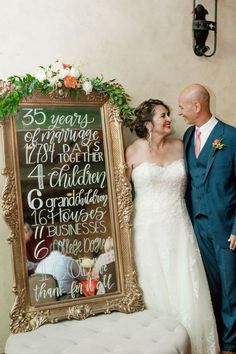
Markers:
point(206, 130)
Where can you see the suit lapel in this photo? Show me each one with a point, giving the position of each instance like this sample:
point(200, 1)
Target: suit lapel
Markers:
point(217, 133)
point(186, 143)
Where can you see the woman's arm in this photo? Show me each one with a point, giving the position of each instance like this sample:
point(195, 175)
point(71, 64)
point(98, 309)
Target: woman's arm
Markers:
point(129, 157)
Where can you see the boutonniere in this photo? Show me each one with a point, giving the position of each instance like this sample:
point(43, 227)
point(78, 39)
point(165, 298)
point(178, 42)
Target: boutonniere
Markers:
point(217, 144)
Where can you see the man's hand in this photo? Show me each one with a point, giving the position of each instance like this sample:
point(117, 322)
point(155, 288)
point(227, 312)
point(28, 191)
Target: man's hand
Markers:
point(232, 241)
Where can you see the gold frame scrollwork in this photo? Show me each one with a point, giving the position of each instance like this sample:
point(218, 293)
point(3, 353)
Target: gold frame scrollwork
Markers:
point(129, 297)
point(9, 204)
point(22, 320)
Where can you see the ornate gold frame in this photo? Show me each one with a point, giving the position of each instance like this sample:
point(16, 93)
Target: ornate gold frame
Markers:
point(129, 297)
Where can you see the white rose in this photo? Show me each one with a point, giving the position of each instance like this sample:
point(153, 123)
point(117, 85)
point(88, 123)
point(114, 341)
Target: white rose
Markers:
point(87, 87)
point(74, 72)
point(63, 73)
point(41, 76)
point(53, 80)
point(49, 74)
point(57, 66)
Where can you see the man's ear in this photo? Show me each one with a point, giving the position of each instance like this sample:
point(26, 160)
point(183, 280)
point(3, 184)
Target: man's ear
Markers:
point(197, 106)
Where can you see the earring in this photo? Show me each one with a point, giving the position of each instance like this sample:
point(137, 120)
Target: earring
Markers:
point(149, 139)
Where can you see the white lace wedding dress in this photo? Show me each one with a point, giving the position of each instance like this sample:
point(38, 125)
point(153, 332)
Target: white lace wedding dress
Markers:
point(168, 260)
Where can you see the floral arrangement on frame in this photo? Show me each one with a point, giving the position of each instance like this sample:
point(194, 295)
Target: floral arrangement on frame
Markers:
point(65, 79)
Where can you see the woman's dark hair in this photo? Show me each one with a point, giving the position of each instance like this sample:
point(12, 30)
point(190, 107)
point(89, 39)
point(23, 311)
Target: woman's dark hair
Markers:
point(145, 113)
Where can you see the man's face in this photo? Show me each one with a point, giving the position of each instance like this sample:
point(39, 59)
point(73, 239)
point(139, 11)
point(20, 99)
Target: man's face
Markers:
point(187, 109)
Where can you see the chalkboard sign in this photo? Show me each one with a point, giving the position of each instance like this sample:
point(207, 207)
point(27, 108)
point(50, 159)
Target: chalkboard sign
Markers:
point(68, 205)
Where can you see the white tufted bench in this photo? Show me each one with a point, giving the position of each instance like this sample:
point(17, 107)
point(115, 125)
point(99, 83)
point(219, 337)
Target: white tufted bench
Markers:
point(136, 333)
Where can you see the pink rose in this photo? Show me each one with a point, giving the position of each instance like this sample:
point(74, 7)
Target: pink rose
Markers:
point(66, 66)
point(216, 141)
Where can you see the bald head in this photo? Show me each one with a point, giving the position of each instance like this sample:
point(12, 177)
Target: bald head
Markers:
point(197, 93)
point(194, 104)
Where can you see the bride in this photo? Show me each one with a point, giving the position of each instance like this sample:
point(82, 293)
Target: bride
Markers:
point(168, 260)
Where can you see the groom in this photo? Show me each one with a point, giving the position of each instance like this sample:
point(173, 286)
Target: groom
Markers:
point(210, 158)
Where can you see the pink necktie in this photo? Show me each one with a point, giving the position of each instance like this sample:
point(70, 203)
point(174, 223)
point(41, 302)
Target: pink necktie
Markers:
point(197, 142)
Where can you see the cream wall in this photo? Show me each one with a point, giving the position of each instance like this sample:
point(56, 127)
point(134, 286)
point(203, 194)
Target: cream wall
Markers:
point(145, 45)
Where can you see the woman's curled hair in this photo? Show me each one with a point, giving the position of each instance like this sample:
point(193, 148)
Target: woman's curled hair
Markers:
point(144, 113)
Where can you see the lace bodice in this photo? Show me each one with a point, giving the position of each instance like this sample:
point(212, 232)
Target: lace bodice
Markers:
point(159, 189)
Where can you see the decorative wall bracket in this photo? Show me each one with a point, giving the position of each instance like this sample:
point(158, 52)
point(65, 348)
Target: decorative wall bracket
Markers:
point(201, 28)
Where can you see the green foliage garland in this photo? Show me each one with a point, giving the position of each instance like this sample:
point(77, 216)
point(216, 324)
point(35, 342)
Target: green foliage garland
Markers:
point(66, 79)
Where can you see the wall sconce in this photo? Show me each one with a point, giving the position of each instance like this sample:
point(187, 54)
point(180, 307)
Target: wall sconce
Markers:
point(201, 28)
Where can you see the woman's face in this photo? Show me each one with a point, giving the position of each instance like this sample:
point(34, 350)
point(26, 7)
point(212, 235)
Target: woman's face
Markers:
point(161, 121)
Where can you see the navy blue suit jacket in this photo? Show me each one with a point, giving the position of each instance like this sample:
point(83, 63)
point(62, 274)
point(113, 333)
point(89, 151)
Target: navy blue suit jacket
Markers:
point(219, 182)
